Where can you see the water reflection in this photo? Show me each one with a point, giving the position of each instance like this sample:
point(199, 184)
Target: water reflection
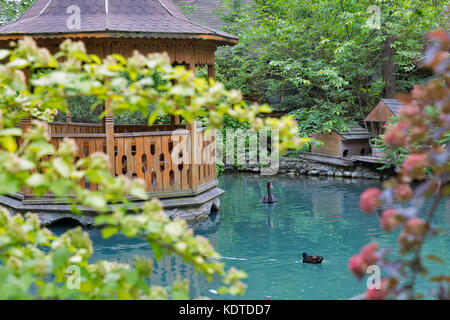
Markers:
point(269, 215)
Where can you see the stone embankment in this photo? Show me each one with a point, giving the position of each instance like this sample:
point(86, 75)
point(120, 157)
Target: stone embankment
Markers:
point(298, 166)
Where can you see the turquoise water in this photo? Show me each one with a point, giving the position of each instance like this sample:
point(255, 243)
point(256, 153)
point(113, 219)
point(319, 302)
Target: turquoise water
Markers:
point(318, 215)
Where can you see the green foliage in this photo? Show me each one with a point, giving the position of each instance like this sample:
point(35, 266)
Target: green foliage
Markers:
point(322, 118)
point(11, 10)
point(298, 54)
point(33, 262)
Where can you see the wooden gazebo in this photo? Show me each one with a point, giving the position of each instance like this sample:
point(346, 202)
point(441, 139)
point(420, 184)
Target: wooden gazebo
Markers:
point(115, 26)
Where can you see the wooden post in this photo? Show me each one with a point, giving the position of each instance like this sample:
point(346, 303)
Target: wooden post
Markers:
point(68, 121)
point(175, 120)
point(25, 123)
point(212, 74)
point(193, 173)
point(192, 127)
point(212, 71)
point(109, 130)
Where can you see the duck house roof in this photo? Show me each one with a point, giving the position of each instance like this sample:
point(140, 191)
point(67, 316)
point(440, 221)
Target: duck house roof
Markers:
point(385, 109)
point(355, 133)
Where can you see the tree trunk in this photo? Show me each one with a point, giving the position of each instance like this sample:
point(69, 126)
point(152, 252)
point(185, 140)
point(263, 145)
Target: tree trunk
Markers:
point(389, 68)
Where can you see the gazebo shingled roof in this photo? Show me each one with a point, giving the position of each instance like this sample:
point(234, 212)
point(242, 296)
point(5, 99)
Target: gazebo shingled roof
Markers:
point(116, 26)
point(131, 18)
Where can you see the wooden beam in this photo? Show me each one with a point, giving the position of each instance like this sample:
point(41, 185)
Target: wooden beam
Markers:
point(109, 130)
point(212, 71)
point(68, 121)
point(192, 128)
point(194, 167)
point(212, 75)
point(175, 120)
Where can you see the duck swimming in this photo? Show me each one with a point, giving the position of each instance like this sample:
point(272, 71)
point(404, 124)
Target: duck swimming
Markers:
point(269, 197)
point(312, 259)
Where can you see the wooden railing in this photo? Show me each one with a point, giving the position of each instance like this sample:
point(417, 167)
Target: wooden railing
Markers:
point(206, 154)
point(131, 128)
point(87, 144)
point(148, 156)
point(160, 158)
point(56, 128)
point(88, 128)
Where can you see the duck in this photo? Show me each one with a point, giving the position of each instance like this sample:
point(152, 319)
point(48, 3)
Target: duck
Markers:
point(269, 197)
point(311, 259)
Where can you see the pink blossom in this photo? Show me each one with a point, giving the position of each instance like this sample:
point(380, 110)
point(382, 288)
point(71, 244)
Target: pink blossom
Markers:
point(378, 294)
point(368, 253)
point(411, 109)
point(357, 265)
point(389, 220)
point(403, 192)
point(418, 132)
point(397, 135)
point(418, 93)
point(416, 226)
point(375, 294)
point(415, 163)
point(369, 200)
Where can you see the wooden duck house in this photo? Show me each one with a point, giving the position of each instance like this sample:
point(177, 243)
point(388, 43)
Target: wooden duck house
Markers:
point(378, 118)
point(379, 115)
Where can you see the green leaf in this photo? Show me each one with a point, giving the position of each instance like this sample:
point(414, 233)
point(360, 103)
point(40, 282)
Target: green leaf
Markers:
point(8, 143)
point(180, 290)
point(159, 253)
point(82, 56)
point(75, 210)
point(62, 167)
point(4, 53)
point(16, 132)
point(95, 201)
point(9, 184)
point(132, 276)
point(95, 58)
point(36, 180)
point(19, 63)
point(139, 192)
point(152, 118)
point(119, 58)
point(108, 232)
point(60, 257)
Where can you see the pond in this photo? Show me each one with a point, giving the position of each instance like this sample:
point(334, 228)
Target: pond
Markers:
point(318, 215)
